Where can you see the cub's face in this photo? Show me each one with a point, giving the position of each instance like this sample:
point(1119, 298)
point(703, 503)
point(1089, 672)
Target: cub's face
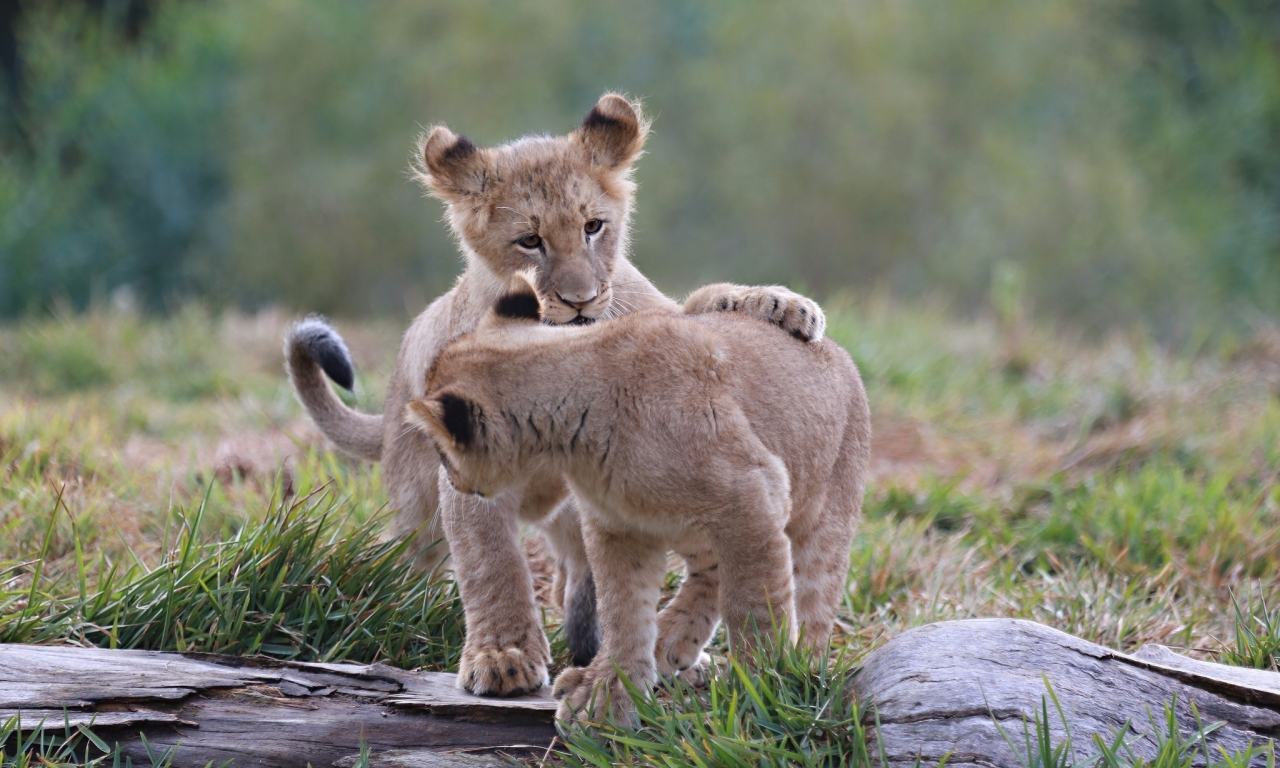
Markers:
point(560, 205)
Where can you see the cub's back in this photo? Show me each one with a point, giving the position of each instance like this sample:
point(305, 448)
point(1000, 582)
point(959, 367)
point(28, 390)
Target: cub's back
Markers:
point(801, 398)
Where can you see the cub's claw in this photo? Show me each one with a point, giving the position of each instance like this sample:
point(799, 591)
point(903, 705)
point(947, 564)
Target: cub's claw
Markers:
point(697, 674)
point(592, 695)
point(502, 672)
point(798, 315)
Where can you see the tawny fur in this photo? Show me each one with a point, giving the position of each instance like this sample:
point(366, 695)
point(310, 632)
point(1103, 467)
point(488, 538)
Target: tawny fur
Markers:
point(550, 187)
point(714, 435)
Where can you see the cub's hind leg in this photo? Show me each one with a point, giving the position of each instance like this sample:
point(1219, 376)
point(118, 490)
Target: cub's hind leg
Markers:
point(581, 623)
point(411, 471)
point(686, 625)
point(628, 571)
point(821, 551)
point(746, 522)
point(821, 565)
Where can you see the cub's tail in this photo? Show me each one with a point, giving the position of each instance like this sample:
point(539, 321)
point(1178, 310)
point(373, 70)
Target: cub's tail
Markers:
point(313, 346)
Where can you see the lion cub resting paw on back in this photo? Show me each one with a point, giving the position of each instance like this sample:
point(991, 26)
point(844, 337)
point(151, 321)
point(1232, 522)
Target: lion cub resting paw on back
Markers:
point(715, 434)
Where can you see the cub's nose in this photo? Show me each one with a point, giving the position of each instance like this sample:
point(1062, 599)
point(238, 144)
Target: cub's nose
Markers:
point(578, 300)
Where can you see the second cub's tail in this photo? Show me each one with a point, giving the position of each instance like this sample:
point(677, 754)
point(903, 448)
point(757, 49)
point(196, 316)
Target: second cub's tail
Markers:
point(313, 346)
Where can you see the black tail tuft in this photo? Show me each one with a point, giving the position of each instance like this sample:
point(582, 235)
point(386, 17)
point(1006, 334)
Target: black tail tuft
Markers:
point(581, 625)
point(323, 345)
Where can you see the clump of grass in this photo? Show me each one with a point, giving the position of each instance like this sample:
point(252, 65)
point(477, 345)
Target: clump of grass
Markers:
point(69, 747)
point(301, 584)
point(1257, 637)
point(783, 706)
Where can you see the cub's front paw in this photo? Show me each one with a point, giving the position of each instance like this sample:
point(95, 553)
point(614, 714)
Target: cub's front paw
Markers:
point(592, 695)
point(502, 671)
point(798, 315)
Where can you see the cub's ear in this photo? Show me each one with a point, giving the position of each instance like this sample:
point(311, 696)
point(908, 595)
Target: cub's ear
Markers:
point(446, 418)
point(521, 301)
point(613, 132)
point(519, 305)
point(455, 168)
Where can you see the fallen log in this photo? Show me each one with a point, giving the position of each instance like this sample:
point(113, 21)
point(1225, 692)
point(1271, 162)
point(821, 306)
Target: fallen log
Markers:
point(944, 690)
point(261, 712)
point(941, 690)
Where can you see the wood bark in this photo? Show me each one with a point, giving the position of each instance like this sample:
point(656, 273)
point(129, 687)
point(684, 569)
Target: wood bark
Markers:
point(260, 712)
point(940, 690)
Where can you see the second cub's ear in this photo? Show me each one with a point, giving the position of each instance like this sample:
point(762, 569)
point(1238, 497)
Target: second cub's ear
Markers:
point(613, 132)
point(446, 418)
point(456, 169)
point(520, 303)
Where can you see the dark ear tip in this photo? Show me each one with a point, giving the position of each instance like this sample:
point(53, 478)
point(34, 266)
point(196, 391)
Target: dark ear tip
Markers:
point(617, 107)
point(611, 112)
point(457, 418)
point(462, 148)
point(613, 131)
point(597, 119)
point(519, 306)
point(442, 147)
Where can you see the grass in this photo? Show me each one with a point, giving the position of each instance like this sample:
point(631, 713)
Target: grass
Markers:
point(160, 487)
point(788, 707)
point(302, 584)
point(1036, 746)
point(1257, 637)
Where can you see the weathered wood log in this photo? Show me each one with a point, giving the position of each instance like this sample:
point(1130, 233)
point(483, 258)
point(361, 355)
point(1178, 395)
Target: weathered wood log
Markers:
point(261, 712)
point(938, 691)
point(941, 689)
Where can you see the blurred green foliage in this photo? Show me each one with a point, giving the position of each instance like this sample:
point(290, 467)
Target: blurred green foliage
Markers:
point(1122, 160)
point(114, 165)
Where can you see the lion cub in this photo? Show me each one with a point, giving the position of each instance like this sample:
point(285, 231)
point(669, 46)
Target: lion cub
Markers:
point(715, 434)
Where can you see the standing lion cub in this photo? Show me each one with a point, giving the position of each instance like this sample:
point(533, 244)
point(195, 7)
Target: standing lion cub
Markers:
point(710, 434)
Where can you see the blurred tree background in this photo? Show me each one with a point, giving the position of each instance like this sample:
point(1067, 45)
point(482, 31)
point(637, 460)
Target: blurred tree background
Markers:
point(1119, 161)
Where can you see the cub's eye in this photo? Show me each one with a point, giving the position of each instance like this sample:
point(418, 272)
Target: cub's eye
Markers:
point(530, 241)
point(593, 226)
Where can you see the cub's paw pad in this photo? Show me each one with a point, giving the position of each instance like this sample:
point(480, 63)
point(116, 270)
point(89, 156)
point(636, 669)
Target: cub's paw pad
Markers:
point(592, 695)
point(501, 672)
